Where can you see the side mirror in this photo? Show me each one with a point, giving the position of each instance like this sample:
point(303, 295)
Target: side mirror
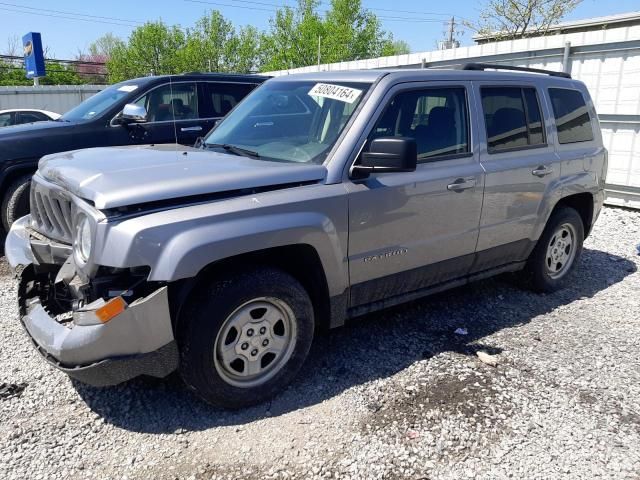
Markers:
point(133, 113)
point(388, 154)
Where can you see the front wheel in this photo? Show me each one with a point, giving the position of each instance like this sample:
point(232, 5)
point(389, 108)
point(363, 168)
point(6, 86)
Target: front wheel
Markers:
point(243, 339)
point(557, 251)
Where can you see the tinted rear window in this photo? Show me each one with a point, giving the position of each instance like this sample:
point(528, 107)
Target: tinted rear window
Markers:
point(512, 118)
point(572, 115)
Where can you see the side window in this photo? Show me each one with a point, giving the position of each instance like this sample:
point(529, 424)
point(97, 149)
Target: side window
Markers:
point(435, 117)
point(5, 119)
point(512, 118)
point(32, 117)
point(177, 101)
point(572, 116)
point(225, 96)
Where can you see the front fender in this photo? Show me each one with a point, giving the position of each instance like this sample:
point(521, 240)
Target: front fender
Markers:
point(188, 252)
point(179, 243)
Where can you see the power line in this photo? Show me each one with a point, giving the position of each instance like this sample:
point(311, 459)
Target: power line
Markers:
point(49, 70)
point(74, 62)
point(51, 15)
point(262, 4)
point(71, 13)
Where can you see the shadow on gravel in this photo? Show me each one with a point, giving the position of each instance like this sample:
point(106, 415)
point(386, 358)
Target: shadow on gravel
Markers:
point(376, 346)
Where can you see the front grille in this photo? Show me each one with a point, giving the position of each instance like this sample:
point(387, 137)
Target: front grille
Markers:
point(51, 212)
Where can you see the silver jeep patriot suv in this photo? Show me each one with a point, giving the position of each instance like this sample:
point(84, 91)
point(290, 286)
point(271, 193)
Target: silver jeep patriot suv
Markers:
point(320, 197)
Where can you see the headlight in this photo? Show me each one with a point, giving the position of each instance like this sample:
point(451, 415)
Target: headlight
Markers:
point(83, 238)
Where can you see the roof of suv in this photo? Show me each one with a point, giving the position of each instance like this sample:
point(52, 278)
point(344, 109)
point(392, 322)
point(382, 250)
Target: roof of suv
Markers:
point(370, 76)
point(218, 77)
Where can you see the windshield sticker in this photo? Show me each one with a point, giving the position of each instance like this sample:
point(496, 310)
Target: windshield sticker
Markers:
point(127, 88)
point(335, 92)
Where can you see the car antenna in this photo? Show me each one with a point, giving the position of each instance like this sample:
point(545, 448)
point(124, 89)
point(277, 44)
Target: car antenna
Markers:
point(173, 115)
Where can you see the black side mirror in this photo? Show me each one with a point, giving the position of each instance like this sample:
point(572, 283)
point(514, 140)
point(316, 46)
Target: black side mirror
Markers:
point(388, 154)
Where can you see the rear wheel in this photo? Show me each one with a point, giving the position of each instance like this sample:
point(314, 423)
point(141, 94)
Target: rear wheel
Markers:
point(243, 339)
point(557, 251)
point(15, 203)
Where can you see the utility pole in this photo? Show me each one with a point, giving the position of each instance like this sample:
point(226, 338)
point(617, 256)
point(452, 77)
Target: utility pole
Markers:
point(452, 25)
point(319, 40)
point(450, 36)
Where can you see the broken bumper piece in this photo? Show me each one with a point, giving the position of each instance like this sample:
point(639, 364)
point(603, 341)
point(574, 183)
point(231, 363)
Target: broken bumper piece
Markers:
point(138, 341)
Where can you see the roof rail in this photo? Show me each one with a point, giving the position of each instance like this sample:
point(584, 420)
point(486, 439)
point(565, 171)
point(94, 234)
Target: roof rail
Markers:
point(484, 66)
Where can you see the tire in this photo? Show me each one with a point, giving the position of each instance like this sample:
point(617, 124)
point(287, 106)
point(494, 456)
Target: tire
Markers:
point(15, 203)
point(237, 315)
point(557, 252)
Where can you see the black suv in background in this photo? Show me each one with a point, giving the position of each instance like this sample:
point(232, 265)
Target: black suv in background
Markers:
point(160, 109)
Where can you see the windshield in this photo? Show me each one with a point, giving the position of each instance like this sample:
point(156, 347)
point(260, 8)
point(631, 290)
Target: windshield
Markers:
point(99, 103)
point(291, 121)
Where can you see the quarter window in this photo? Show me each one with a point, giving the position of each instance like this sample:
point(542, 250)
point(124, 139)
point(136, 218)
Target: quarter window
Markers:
point(572, 116)
point(512, 118)
point(436, 118)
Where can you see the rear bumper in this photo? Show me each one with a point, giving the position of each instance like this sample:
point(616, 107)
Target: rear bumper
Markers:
point(138, 341)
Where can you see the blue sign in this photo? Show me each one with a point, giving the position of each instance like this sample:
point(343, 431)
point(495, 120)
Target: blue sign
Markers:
point(33, 55)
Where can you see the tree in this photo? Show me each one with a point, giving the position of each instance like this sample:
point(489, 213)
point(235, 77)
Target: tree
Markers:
point(399, 47)
point(509, 19)
point(292, 40)
point(347, 32)
point(13, 46)
point(151, 49)
point(105, 45)
point(213, 44)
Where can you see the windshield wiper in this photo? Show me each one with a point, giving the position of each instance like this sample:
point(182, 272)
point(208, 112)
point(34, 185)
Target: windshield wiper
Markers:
point(234, 149)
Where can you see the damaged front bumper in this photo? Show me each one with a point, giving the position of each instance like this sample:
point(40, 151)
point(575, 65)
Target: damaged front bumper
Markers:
point(137, 341)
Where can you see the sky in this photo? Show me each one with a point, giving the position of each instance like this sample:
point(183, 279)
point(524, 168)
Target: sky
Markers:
point(69, 26)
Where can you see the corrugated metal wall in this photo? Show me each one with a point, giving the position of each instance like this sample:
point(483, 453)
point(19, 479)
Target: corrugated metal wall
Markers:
point(59, 99)
point(607, 60)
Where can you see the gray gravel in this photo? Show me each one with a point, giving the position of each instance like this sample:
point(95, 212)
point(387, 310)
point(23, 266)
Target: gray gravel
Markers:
point(394, 395)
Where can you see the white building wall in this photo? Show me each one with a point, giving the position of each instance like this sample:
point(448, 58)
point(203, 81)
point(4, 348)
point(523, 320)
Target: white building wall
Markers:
point(55, 98)
point(607, 60)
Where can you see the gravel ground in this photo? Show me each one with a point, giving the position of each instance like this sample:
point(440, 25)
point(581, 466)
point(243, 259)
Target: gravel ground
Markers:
point(393, 395)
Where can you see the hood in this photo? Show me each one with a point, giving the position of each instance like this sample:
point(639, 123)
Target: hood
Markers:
point(121, 176)
point(31, 140)
point(32, 129)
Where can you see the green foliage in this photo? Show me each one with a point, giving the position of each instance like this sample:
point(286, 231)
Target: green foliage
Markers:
point(152, 49)
point(12, 74)
point(213, 44)
point(347, 32)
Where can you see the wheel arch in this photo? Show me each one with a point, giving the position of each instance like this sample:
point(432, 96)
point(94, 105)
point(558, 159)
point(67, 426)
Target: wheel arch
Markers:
point(583, 204)
point(301, 261)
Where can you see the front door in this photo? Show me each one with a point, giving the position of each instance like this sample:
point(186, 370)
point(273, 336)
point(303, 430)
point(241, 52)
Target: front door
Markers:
point(172, 115)
point(409, 231)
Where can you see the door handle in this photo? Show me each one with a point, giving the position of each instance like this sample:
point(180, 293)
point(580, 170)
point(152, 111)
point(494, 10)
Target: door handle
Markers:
point(542, 171)
point(197, 128)
point(461, 184)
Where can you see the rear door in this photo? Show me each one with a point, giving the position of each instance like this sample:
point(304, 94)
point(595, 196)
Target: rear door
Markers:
point(521, 167)
point(219, 98)
point(409, 231)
